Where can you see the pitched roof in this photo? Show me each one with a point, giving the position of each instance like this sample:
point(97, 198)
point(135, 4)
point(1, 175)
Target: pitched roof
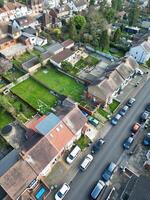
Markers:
point(54, 48)
point(60, 136)
point(66, 43)
point(107, 86)
point(127, 67)
point(17, 178)
point(40, 155)
point(47, 124)
point(61, 56)
point(146, 46)
point(75, 120)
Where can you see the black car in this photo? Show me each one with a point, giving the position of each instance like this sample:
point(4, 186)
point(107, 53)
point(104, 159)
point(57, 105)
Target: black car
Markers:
point(144, 116)
point(97, 145)
point(148, 107)
point(130, 102)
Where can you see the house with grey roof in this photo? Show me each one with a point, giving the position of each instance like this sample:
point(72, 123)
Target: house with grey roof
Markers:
point(55, 48)
point(115, 78)
point(141, 51)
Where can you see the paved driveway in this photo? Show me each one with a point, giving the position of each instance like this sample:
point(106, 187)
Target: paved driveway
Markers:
point(83, 183)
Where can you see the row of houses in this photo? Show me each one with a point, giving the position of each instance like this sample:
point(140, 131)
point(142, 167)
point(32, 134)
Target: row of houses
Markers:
point(111, 83)
point(14, 10)
point(51, 136)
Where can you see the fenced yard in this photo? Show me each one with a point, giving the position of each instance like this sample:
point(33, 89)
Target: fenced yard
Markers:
point(61, 83)
point(13, 74)
point(35, 95)
point(5, 118)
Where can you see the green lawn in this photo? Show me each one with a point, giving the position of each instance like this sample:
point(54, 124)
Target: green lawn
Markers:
point(35, 94)
point(113, 106)
point(5, 118)
point(20, 106)
point(61, 83)
point(103, 112)
point(83, 142)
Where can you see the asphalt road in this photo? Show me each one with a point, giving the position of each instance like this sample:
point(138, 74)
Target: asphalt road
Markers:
point(83, 182)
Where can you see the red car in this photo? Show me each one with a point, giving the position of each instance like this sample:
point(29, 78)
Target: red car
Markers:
point(135, 127)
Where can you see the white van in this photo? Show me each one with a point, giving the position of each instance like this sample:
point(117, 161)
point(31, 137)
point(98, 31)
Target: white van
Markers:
point(86, 162)
point(71, 157)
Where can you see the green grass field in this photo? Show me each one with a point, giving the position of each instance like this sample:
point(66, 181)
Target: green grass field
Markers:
point(5, 118)
point(35, 94)
point(61, 83)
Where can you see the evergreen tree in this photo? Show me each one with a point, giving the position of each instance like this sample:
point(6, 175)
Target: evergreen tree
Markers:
point(117, 35)
point(133, 14)
point(104, 40)
point(73, 31)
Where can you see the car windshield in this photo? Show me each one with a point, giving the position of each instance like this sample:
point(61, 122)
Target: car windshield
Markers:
point(60, 194)
point(71, 157)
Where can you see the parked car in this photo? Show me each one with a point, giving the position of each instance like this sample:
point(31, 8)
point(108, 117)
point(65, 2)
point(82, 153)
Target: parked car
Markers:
point(144, 116)
point(146, 140)
point(115, 119)
point(62, 192)
point(128, 142)
point(147, 107)
point(93, 121)
point(97, 145)
point(86, 162)
point(99, 187)
point(139, 71)
point(108, 172)
point(124, 110)
point(72, 156)
point(85, 113)
point(135, 128)
point(130, 102)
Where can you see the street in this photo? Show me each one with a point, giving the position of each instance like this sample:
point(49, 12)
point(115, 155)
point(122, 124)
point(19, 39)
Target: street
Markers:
point(83, 182)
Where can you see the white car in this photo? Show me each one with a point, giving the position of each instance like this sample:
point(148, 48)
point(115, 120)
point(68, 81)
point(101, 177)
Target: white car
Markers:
point(62, 192)
point(86, 162)
point(72, 156)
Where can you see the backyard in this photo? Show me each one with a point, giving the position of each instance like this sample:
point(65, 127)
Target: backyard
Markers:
point(35, 95)
point(61, 83)
point(21, 110)
point(5, 118)
point(12, 74)
point(25, 57)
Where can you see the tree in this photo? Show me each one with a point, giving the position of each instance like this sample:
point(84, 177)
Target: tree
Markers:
point(116, 4)
point(57, 32)
point(66, 66)
point(79, 22)
point(117, 35)
point(133, 14)
point(73, 31)
point(109, 14)
point(1, 3)
point(104, 40)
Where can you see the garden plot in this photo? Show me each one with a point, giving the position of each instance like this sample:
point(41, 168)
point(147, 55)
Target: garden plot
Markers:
point(61, 83)
point(35, 95)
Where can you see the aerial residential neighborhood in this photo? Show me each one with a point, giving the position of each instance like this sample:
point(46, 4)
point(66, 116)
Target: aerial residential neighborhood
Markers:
point(74, 100)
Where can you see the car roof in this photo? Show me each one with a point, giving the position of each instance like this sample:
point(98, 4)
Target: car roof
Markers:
point(118, 116)
point(111, 166)
point(125, 107)
point(130, 139)
point(64, 188)
point(97, 189)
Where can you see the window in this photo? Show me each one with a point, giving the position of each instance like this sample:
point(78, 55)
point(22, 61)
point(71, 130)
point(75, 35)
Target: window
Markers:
point(57, 129)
